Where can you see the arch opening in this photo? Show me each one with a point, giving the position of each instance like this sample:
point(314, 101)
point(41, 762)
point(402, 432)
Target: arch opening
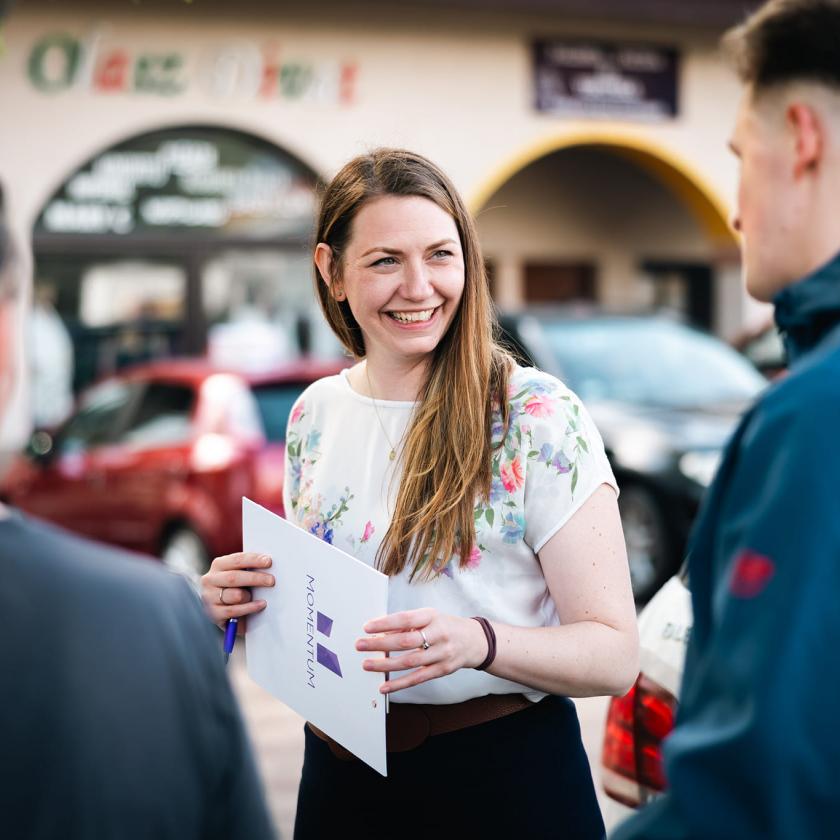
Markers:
point(612, 220)
point(171, 242)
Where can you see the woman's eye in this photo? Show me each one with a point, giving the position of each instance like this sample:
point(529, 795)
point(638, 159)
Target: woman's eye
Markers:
point(385, 261)
point(443, 253)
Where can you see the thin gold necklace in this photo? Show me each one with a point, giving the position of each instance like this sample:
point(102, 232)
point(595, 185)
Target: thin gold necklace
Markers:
point(393, 453)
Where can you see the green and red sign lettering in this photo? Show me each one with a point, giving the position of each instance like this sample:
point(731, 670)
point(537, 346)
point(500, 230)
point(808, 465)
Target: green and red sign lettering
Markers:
point(61, 62)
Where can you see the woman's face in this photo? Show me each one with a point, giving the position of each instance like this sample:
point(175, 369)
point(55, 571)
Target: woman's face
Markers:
point(403, 276)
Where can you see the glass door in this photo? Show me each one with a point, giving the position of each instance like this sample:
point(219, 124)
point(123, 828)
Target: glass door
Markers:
point(260, 308)
point(93, 315)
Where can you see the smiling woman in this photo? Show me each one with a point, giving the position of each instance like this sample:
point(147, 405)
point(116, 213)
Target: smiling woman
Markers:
point(396, 241)
point(478, 486)
point(404, 292)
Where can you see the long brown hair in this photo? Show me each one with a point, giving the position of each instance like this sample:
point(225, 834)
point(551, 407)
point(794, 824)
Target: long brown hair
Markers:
point(448, 446)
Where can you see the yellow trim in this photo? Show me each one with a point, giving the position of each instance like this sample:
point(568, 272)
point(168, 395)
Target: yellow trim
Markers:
point(676, 174)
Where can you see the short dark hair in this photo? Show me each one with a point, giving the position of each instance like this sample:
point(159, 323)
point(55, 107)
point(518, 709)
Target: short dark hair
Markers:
point(787, 41)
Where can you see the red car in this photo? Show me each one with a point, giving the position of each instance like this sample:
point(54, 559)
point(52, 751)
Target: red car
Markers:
point(157, 458)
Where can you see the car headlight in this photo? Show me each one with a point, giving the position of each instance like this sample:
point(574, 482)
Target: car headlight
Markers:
point(700, 466)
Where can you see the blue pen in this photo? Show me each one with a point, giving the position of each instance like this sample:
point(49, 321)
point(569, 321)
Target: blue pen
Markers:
point(230, 637)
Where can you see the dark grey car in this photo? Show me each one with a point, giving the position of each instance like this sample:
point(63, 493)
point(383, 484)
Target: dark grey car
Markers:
point(665, 397)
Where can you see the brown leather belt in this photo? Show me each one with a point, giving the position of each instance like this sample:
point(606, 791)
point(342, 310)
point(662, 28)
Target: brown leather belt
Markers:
point(409, 724)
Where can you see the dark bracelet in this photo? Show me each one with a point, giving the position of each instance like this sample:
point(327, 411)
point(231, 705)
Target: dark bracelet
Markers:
point(490, 633)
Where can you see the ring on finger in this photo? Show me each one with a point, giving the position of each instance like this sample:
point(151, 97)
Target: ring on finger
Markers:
point(222, 596)
point(426, 645)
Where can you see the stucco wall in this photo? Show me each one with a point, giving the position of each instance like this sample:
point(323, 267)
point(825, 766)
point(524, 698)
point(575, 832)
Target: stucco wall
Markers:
point(457, 88)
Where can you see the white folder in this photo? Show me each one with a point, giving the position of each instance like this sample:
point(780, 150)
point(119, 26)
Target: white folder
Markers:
point(301, 647)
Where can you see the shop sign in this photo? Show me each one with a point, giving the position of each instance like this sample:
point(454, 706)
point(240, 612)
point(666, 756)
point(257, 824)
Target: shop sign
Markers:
point(584, 79)
point(201, 179)
point(61, 62)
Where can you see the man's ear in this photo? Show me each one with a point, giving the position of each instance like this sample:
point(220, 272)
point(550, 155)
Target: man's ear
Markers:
point(324, 263)
point(809, 140)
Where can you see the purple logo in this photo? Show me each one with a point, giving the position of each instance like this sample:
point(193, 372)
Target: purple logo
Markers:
point(316, 652)
point(324, 655)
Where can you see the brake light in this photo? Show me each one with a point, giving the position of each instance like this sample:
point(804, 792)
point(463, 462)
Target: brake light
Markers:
point(637, 724)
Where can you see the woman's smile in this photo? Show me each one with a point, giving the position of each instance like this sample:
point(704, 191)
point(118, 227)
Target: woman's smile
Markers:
point(403, 276)
point(416, 318)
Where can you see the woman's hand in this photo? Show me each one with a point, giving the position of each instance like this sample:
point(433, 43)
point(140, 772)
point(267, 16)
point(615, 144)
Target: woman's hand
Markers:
point(453, 643)
point(225, 589)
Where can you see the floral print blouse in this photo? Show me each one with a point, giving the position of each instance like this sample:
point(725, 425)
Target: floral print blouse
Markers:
point(341, 485)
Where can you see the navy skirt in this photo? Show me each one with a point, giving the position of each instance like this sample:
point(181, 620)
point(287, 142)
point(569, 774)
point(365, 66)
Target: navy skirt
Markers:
point(523, 775)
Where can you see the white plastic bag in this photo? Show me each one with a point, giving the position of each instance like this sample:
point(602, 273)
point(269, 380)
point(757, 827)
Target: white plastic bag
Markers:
point(664, 630)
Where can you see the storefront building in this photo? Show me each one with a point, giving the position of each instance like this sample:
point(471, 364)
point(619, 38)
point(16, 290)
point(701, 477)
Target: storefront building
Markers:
point(164, 159)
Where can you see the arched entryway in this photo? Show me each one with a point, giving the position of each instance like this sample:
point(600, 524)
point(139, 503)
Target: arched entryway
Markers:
point(611, 218)
point(160, 243)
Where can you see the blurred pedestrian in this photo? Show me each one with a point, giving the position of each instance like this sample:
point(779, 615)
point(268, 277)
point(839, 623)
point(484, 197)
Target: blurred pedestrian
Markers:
point(755, 750)
point(117, 718)
point(479, 487)
point(51, 360)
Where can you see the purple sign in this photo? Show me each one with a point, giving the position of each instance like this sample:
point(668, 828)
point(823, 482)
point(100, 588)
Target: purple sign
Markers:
point(585, 79)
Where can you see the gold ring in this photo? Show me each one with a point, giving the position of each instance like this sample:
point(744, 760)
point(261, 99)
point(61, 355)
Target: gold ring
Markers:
point(222, 596)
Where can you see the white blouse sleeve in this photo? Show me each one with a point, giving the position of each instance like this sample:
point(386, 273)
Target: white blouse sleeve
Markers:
point(292, 457)
point(566, 462)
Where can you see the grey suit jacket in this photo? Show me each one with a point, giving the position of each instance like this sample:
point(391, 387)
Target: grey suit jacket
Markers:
point(116, 717)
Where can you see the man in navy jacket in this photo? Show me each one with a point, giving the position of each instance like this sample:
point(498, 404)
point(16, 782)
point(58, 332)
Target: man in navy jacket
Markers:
point(756, 749)
point(116, 717)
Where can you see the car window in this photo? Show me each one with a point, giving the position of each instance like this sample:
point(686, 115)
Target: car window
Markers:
point(650, 362)
point(101, 415)
point(162, 416)
point(275, 402)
